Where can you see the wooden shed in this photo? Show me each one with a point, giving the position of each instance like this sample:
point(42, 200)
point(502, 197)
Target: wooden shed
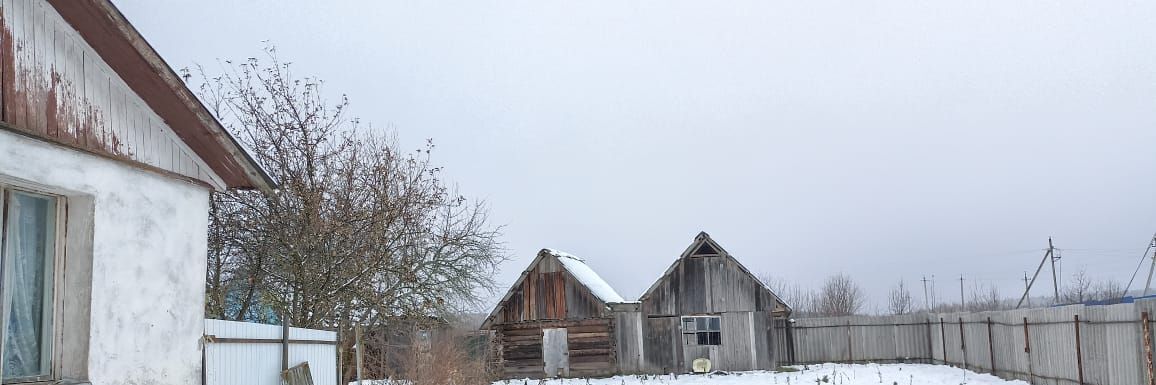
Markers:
point(561, 319)
point(555, 321)
point(706, 305)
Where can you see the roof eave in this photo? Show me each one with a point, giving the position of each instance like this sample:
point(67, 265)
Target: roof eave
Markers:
point(104, 28)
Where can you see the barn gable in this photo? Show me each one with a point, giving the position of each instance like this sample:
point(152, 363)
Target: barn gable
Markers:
point(556, 286)
point(707, 279)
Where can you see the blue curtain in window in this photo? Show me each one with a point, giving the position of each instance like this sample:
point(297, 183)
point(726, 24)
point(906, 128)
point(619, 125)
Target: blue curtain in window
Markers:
point(28, 260)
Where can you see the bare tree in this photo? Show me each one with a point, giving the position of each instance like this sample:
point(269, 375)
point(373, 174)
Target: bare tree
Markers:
point(1078, 290)
point(840, 296)
point(801, 300)
point(899, 300)
point(986, 298)
point(1108, 290)
point(358, 230)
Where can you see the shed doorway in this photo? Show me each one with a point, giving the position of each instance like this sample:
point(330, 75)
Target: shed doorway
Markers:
point(555, 352)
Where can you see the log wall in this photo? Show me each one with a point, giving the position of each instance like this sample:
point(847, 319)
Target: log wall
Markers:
point(591, 348)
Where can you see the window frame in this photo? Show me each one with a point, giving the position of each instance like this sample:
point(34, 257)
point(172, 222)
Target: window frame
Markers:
point(53, 333)
point(693, 336)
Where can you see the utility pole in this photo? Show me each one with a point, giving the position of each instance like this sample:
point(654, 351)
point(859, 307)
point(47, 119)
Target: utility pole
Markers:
point(926, 305)
point(1027, 287)
point(1047, 255)
point(962, 303)
point(934, 293)
point(1055, 280)
point(1152, 267)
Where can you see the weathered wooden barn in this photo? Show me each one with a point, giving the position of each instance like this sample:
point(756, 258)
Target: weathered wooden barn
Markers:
point(555, 320)
point(561, 319)
point(706, 305)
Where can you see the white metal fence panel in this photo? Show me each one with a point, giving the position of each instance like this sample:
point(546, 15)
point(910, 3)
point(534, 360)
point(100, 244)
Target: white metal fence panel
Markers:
point(1048, 346)
point(249, 353)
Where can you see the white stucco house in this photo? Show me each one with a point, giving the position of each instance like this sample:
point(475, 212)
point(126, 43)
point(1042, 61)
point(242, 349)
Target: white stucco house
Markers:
point(106, 164)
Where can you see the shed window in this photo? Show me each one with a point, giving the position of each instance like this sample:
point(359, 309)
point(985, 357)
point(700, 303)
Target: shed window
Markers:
point(28, 254)
point(701, 330)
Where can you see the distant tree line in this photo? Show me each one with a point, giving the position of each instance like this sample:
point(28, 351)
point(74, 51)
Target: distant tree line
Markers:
point(841, 296)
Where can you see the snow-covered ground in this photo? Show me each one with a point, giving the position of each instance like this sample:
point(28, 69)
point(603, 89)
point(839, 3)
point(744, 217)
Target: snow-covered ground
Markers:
point(825, 374)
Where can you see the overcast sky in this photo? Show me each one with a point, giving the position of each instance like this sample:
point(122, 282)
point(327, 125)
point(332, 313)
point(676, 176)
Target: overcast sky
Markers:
point(885, 139)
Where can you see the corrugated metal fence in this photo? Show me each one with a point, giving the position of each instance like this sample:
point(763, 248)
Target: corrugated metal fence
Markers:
point(251, 354)
point(1096, 345)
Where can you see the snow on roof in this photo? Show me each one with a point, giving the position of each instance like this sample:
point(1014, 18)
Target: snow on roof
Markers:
point(584, 274)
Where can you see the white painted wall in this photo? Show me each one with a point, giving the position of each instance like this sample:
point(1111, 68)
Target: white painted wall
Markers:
point(148, 257)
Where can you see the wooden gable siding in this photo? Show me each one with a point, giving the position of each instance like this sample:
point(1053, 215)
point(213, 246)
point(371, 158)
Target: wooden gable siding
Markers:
point(746, 344)
point(705, 285)
point(56, 87)
point(548, 292)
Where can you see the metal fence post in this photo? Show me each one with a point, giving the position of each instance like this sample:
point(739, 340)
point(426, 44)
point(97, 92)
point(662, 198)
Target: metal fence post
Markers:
point(790, 340)
point(1079, 352)
point(991, 346)
point(284, 341)
point(1147, 327)
point(1028, 350)
point(340, 348)
point(850, 356)
point(943, 340)
point(204, 361)
point(930, 345)
point(962, 345)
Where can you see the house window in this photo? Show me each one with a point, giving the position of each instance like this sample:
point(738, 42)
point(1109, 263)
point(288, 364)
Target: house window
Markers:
point(701, 330)
point(28, 254)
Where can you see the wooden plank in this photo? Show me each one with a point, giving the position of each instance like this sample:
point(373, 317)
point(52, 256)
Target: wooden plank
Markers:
point(298, 375)
point(590, 345)
point(527, 332)
point(61, 104)
point(531, 356)
point(588, 329)
point(40, 68)
point(591, 352)
point(511, 327)
point(14, 101)
point(5, 52)
point(591, 365)
point(520, 338)
point(601, 335)
point(58, 99)
point(522, 352)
